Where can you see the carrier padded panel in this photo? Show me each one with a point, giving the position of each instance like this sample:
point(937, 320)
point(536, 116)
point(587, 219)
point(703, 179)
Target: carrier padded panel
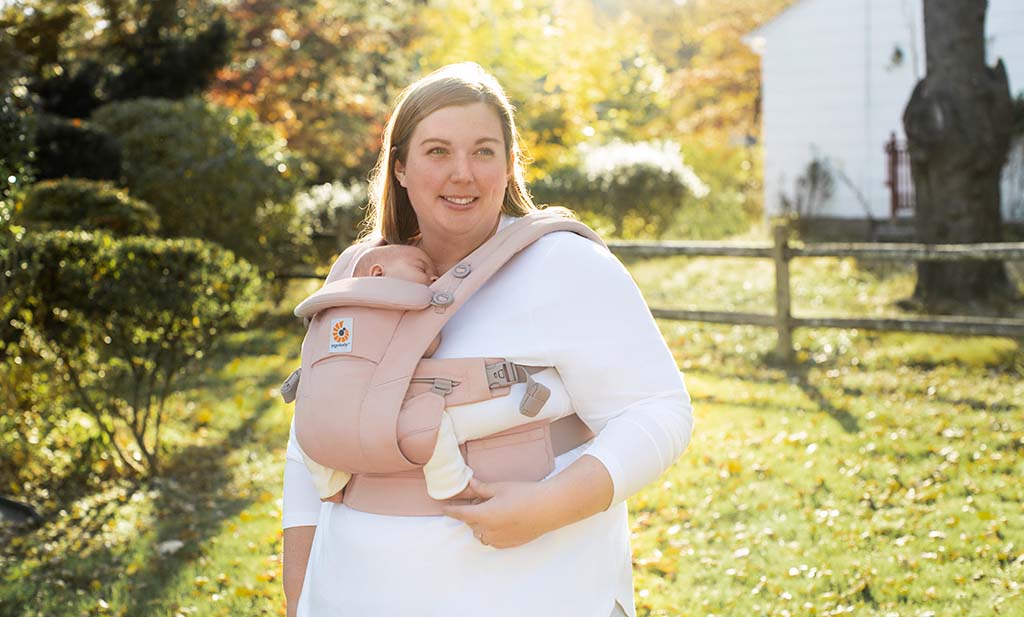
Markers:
point(371, 291)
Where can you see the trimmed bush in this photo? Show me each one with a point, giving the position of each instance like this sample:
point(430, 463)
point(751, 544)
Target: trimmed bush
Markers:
point(334, 209)
point(637, 188)
point(118, 321)
point(87, 204)
point(213, 173)
point(76, 149)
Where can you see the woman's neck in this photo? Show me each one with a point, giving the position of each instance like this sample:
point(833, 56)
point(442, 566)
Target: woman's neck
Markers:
point(447, 252)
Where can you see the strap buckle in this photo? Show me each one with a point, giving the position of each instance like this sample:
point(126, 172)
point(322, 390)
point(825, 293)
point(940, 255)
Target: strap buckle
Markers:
point(291, 386)
point(443, 386)
point(502, 374)
point(439, 385)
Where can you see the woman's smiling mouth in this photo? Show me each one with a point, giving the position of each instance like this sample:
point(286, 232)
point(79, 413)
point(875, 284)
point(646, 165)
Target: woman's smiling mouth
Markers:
point(458, 201)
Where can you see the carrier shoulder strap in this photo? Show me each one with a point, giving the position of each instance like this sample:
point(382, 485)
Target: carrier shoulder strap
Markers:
point(417, 330)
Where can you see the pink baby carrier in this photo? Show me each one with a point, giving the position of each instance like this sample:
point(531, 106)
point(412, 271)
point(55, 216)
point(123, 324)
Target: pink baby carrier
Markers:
point(370, 404)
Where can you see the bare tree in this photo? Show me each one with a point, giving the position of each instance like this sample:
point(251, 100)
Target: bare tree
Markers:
point(958, 124)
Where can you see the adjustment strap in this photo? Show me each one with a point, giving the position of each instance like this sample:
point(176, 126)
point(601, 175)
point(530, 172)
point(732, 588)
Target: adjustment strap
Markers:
point(505, 373)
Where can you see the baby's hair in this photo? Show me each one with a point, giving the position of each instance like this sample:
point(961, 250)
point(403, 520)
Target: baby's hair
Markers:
point(365, 261)
point(377, 254)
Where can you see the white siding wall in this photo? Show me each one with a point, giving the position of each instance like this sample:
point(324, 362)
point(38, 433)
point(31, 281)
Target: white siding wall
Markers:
point(814, 95)
point(831, 89)
point(1004, 32)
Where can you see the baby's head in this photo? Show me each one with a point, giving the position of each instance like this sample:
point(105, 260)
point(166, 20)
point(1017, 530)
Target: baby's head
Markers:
point(402, 261)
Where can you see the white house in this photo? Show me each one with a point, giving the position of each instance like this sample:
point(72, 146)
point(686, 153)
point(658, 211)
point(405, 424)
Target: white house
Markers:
point(836, 77)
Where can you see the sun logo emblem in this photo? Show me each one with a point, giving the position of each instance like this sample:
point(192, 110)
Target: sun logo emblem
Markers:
point(340, 333)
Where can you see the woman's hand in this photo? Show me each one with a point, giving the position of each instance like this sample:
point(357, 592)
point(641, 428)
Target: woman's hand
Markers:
point(513, 513)
point(507, 514)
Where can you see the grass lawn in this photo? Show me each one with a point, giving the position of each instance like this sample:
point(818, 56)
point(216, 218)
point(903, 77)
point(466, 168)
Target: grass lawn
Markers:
point(880, 477)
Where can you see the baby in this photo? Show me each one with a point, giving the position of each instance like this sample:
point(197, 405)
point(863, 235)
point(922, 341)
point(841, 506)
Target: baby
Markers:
point(446, 471)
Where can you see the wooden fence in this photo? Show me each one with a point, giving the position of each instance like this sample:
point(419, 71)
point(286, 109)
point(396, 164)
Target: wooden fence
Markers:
point(780, 252)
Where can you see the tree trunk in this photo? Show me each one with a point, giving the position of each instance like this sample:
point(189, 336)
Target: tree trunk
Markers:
point(958, 125)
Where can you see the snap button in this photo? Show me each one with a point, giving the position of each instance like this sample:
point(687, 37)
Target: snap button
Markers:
point(442, 298)
point(462, 271)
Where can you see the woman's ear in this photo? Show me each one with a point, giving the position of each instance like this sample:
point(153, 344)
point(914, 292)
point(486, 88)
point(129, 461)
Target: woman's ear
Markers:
point(400, 172)
point(376, 270)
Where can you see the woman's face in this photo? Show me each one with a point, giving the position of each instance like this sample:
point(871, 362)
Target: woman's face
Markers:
point(456, 172)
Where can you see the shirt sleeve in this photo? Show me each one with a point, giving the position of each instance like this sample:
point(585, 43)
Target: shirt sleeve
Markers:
point(301, 502)
point(617, 369)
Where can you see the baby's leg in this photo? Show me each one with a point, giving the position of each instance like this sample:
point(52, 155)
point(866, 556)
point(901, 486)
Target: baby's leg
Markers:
point(446, 472)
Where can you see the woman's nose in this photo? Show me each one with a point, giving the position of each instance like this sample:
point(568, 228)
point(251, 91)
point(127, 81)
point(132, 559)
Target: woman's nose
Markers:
point(460, 170)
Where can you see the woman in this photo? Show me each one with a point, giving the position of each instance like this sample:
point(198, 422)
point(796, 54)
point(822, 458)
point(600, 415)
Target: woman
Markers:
point(449, 176)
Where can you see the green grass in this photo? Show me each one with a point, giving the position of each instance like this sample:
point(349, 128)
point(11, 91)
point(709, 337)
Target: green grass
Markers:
point(880, 477)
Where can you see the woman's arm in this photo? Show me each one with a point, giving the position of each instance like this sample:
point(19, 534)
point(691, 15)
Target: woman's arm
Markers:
point(622, 380)
point(300, 509)
point(297, 543)
point(616, 367)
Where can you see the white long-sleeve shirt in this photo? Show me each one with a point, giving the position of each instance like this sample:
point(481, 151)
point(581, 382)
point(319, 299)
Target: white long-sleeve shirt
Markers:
point(563, 302)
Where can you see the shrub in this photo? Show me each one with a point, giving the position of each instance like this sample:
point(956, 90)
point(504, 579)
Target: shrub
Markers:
point(333, 209)
point(16, 173)
point(732, 174)
point(636, 187)
point(213, 173)
point(71, 148)
point(87, 204)
point(118, 321)
point(16, 151)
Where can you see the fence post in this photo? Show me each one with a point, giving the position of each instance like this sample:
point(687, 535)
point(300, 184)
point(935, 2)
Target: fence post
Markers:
point(784, 345)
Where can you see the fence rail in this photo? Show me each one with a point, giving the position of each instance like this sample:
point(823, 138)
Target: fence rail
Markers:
point(782, 253)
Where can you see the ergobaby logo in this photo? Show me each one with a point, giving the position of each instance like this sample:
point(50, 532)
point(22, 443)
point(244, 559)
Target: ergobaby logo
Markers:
point(341, 335)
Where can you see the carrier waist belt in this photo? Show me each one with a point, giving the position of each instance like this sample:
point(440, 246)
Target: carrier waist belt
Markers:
point(523, 453)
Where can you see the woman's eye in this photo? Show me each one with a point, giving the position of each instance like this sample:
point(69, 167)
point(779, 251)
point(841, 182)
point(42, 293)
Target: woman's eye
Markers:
point(486, 151)
point(438, 150)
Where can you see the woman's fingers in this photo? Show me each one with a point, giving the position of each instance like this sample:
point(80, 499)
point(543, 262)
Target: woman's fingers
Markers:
point(484, 490)
point(460, 513)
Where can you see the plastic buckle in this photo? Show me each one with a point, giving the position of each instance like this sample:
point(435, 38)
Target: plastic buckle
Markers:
point(533, 401)
point(501, 374)
point(291, 386)
point(443, 386)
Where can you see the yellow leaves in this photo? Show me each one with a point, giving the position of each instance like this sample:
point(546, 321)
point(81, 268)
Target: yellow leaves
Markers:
point(204, 416)
point(267, 576)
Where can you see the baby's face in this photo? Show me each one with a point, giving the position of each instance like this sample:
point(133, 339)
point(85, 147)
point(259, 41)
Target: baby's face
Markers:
point(409, 264)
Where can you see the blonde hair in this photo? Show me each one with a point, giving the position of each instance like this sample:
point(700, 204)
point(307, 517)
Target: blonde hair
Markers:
point(390, 213)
